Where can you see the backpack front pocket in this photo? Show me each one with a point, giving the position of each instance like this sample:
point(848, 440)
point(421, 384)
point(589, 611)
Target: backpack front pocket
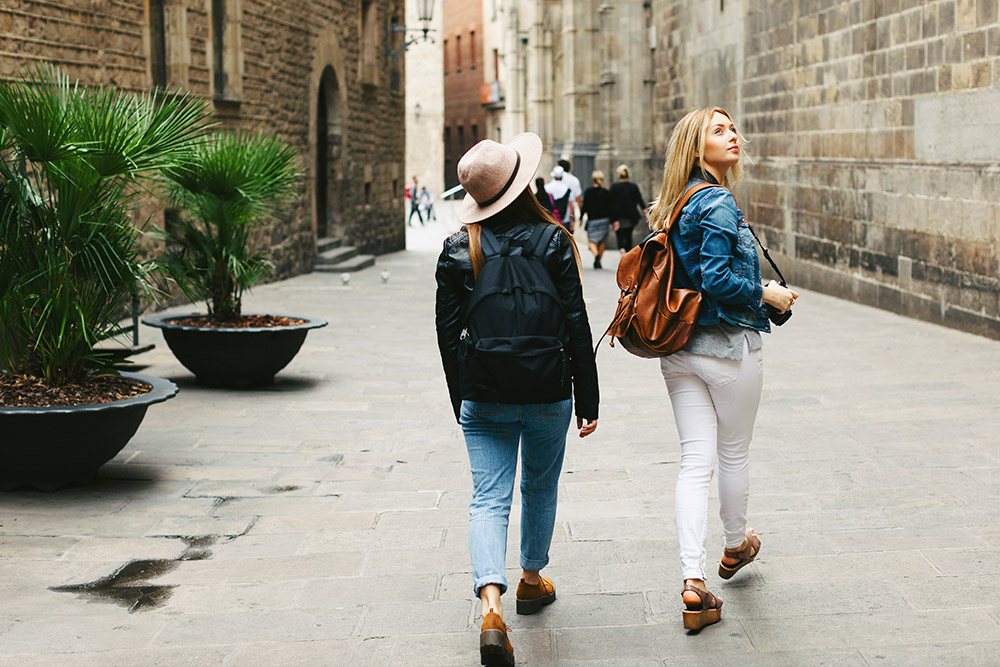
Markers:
point(524, 369)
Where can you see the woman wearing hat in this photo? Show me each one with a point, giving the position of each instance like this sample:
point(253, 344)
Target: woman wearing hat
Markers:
point(496, 178)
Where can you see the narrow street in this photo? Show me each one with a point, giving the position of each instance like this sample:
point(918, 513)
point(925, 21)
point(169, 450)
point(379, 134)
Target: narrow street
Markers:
point(322, 520)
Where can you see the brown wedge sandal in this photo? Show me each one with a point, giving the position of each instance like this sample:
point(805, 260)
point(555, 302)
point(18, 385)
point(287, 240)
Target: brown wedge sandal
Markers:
point(706, 611)
point(745, 555)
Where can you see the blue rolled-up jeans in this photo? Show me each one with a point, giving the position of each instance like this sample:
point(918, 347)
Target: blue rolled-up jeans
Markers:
point(493, 432)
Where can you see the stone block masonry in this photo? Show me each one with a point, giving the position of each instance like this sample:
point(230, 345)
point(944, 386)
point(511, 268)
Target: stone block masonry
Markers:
point(876, 143)
point(264, 65)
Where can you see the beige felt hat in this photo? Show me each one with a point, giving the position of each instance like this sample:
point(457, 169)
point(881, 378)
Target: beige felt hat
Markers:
point(494, 175)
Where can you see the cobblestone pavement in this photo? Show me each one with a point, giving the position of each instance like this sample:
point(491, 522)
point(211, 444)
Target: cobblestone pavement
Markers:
point(322, 520)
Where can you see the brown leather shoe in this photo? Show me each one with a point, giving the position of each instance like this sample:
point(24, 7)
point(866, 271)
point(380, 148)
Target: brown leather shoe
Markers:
point(494, 646)
point(532, 597)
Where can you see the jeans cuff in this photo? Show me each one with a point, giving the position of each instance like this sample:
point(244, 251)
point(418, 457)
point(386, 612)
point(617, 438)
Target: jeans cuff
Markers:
point(534, 564)
point(496, 579)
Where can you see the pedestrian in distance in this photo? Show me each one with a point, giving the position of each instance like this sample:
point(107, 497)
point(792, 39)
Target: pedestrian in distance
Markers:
point(516, 347)
point(545, 199)
point(715, 381)
point(562, 195)
point(598, 207)
point(413, 194)
point(629, 208)
point(576, 198)
point(427, 203)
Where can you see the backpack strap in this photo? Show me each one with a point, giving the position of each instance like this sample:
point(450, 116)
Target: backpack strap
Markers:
point(491, 246)
point(540, 238)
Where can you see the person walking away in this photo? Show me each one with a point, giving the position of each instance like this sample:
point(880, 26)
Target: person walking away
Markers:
point(427, 203)
point(629, 208)
point(517, 401)
point(545, 199)
point(598, 207)
point(413, 195)
point(715, 382)
point(575, 188)
point(561, 194)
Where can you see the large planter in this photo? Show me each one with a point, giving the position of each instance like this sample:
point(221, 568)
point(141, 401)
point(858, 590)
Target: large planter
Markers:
point(50, 447)
point(233, 357)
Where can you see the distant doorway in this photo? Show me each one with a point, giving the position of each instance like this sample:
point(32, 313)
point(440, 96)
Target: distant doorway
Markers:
point(329, 149)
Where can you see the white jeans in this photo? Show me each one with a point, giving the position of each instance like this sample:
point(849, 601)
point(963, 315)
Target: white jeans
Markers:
point(715, 404)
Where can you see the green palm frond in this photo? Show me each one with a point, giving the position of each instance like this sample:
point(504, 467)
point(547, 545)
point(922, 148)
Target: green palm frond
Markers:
point(70, 157)
point(234, 181)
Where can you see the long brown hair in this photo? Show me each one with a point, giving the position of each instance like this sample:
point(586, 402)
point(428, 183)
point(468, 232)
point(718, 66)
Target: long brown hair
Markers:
point(525, 207)
point(684, 152)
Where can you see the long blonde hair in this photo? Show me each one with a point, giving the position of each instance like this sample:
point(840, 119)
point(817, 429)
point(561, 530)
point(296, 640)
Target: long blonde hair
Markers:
point(685, 151)
point(525, 207)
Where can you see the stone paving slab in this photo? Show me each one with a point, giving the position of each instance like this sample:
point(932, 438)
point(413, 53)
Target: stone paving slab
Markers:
point(322, 520)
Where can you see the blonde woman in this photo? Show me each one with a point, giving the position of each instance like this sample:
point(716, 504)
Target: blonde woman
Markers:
point(715, 381)
point(598, 207)
point(530, 414)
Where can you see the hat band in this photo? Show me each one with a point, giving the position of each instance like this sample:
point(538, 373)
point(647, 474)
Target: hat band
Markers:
point(506, 186)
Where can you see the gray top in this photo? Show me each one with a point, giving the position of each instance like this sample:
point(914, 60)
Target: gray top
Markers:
point(722, 341)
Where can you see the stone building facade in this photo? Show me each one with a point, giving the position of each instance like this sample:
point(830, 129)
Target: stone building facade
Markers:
point(875, 133)
point(579, 73)
point(318, 73)
point(464, 116)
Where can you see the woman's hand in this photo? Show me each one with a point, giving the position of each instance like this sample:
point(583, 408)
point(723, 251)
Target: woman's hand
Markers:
point(586, 428)
point(780, 297)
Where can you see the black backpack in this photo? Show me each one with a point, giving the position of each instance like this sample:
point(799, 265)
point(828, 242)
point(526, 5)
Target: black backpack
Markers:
point(512, 347)
point(562, 204)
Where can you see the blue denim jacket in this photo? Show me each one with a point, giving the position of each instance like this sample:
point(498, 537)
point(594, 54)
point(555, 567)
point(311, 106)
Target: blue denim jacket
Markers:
point(717, 251)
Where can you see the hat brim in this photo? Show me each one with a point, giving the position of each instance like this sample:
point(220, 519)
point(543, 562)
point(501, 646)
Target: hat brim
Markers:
point(529, 146)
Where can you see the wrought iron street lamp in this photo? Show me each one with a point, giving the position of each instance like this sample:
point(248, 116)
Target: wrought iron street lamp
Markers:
point(425, 14)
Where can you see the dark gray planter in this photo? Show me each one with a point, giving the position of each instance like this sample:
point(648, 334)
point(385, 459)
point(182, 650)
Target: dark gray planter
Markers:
point(48, 448)
point(233, 357)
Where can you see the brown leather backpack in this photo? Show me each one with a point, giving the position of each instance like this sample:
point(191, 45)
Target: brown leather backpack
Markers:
point(654, 318)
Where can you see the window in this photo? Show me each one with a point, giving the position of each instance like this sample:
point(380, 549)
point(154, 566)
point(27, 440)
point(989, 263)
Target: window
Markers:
point(369, 43)
point(157, 44)
point(458, 53)
point(475, 134)
point(496, 65)
point(226, 49)
point(461, 139)
point(472, 49)
point(445, 47)
point(218, 47)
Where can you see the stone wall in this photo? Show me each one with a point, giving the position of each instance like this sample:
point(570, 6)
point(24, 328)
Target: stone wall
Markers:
point(874, 129)
point(271, 62)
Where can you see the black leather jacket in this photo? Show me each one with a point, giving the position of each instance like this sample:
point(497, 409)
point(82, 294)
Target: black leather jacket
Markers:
point(454, 286)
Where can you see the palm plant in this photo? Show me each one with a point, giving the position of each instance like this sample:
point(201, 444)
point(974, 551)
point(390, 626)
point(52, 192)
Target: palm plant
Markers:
point(235, 181)
point(72, 161)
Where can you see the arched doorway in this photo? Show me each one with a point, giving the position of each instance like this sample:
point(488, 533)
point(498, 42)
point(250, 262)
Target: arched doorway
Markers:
point(329, 148)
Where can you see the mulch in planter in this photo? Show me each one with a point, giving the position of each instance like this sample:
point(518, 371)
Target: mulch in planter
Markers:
point(243, 322)
point(25, 391)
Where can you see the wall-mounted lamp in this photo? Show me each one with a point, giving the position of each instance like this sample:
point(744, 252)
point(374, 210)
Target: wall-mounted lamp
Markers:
point(425, 14)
